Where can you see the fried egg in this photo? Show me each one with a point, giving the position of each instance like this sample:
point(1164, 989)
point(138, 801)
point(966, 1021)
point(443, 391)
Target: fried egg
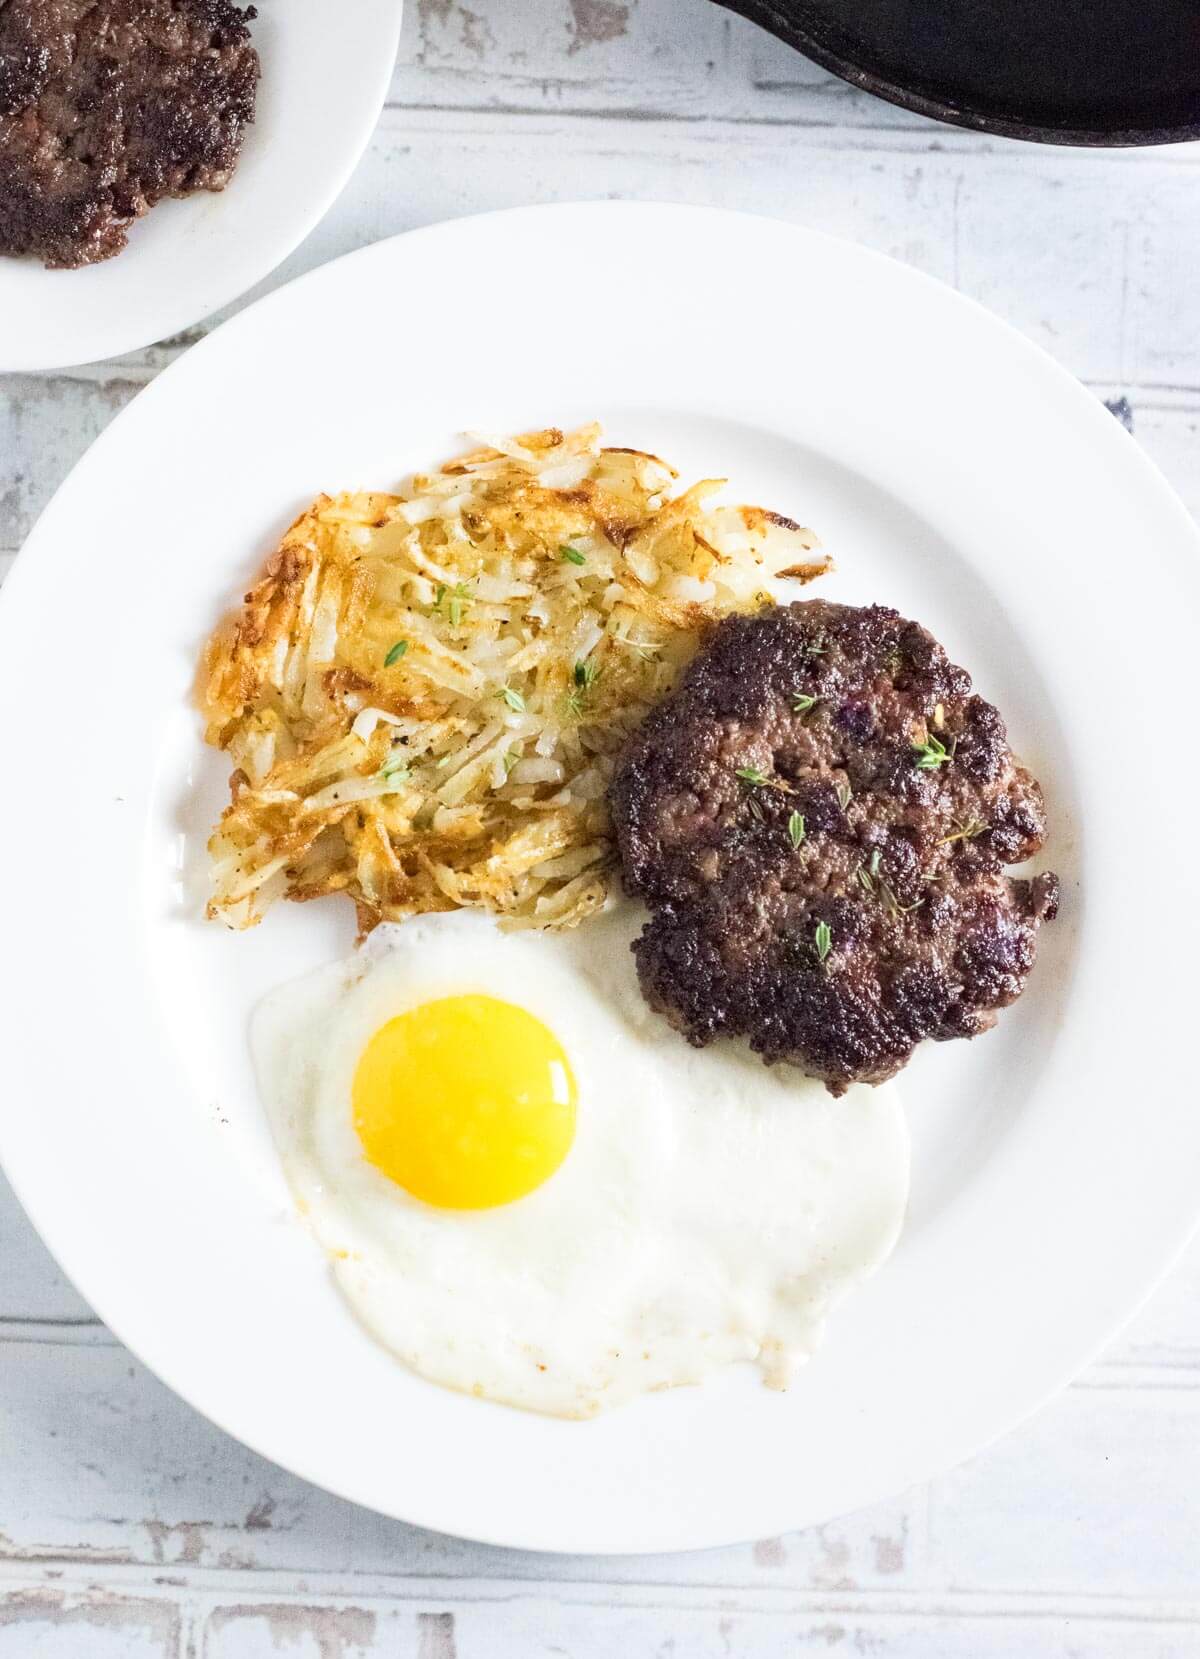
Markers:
point(532, 1191)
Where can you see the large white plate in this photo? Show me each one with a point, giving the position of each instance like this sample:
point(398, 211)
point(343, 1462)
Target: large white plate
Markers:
point(323, 84)
point(955, 472)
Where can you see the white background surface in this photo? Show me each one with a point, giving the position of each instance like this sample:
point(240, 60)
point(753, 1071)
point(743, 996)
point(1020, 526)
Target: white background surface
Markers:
point(127, 1526)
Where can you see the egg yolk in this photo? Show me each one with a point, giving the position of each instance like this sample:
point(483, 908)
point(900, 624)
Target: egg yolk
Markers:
point(466, 1103)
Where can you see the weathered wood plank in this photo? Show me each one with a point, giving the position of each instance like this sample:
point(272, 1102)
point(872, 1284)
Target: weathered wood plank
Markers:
point(99, 1464)
point(1165, 342)
point(177, 1621)
point(589, 55)
point(42, 1622)
point(541, 1628)
point(1046, 1506)
point(1169, 432)
point(683, 58)
point(46, 423)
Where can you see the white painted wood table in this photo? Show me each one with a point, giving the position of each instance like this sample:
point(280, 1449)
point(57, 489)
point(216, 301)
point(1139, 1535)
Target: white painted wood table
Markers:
point(128, 1526)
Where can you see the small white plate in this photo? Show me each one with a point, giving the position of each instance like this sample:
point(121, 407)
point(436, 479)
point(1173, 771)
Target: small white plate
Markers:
point(953, 471)
point(324, 79)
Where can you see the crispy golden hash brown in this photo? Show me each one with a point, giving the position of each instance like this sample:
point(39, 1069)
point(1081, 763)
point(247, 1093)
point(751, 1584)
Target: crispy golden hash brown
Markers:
point(424, 694)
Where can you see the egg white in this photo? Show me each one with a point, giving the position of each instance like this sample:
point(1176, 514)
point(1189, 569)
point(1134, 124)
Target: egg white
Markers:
point(709, 1210)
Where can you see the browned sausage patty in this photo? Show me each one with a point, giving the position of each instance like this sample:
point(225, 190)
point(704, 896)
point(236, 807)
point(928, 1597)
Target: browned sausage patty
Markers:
point(819, 819)
point(107, 106)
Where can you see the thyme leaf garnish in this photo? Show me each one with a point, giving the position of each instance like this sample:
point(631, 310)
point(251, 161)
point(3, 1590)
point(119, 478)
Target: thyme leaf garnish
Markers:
point(456, 600)
point(932, 753)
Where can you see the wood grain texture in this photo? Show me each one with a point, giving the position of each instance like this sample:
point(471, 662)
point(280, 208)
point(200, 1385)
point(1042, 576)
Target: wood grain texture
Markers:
point(128, 1525)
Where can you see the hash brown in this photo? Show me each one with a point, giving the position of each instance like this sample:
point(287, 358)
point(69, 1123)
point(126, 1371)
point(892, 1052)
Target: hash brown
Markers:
point(425, 693)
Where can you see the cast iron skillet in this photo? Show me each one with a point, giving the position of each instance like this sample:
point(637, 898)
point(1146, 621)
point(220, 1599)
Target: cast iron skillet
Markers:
point(1058, 71)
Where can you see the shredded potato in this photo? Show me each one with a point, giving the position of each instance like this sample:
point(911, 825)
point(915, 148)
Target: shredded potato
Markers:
point(424, 693)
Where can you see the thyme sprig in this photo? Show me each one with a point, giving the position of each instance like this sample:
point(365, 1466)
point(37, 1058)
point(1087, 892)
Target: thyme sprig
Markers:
point(753, 777)
point(964, 832)
point(893, 904)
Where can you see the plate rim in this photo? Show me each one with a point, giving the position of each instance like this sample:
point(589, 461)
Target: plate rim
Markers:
point(1090, 409)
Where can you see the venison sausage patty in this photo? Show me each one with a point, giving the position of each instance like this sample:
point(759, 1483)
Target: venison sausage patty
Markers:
point(107, 106)
point(819, 820)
